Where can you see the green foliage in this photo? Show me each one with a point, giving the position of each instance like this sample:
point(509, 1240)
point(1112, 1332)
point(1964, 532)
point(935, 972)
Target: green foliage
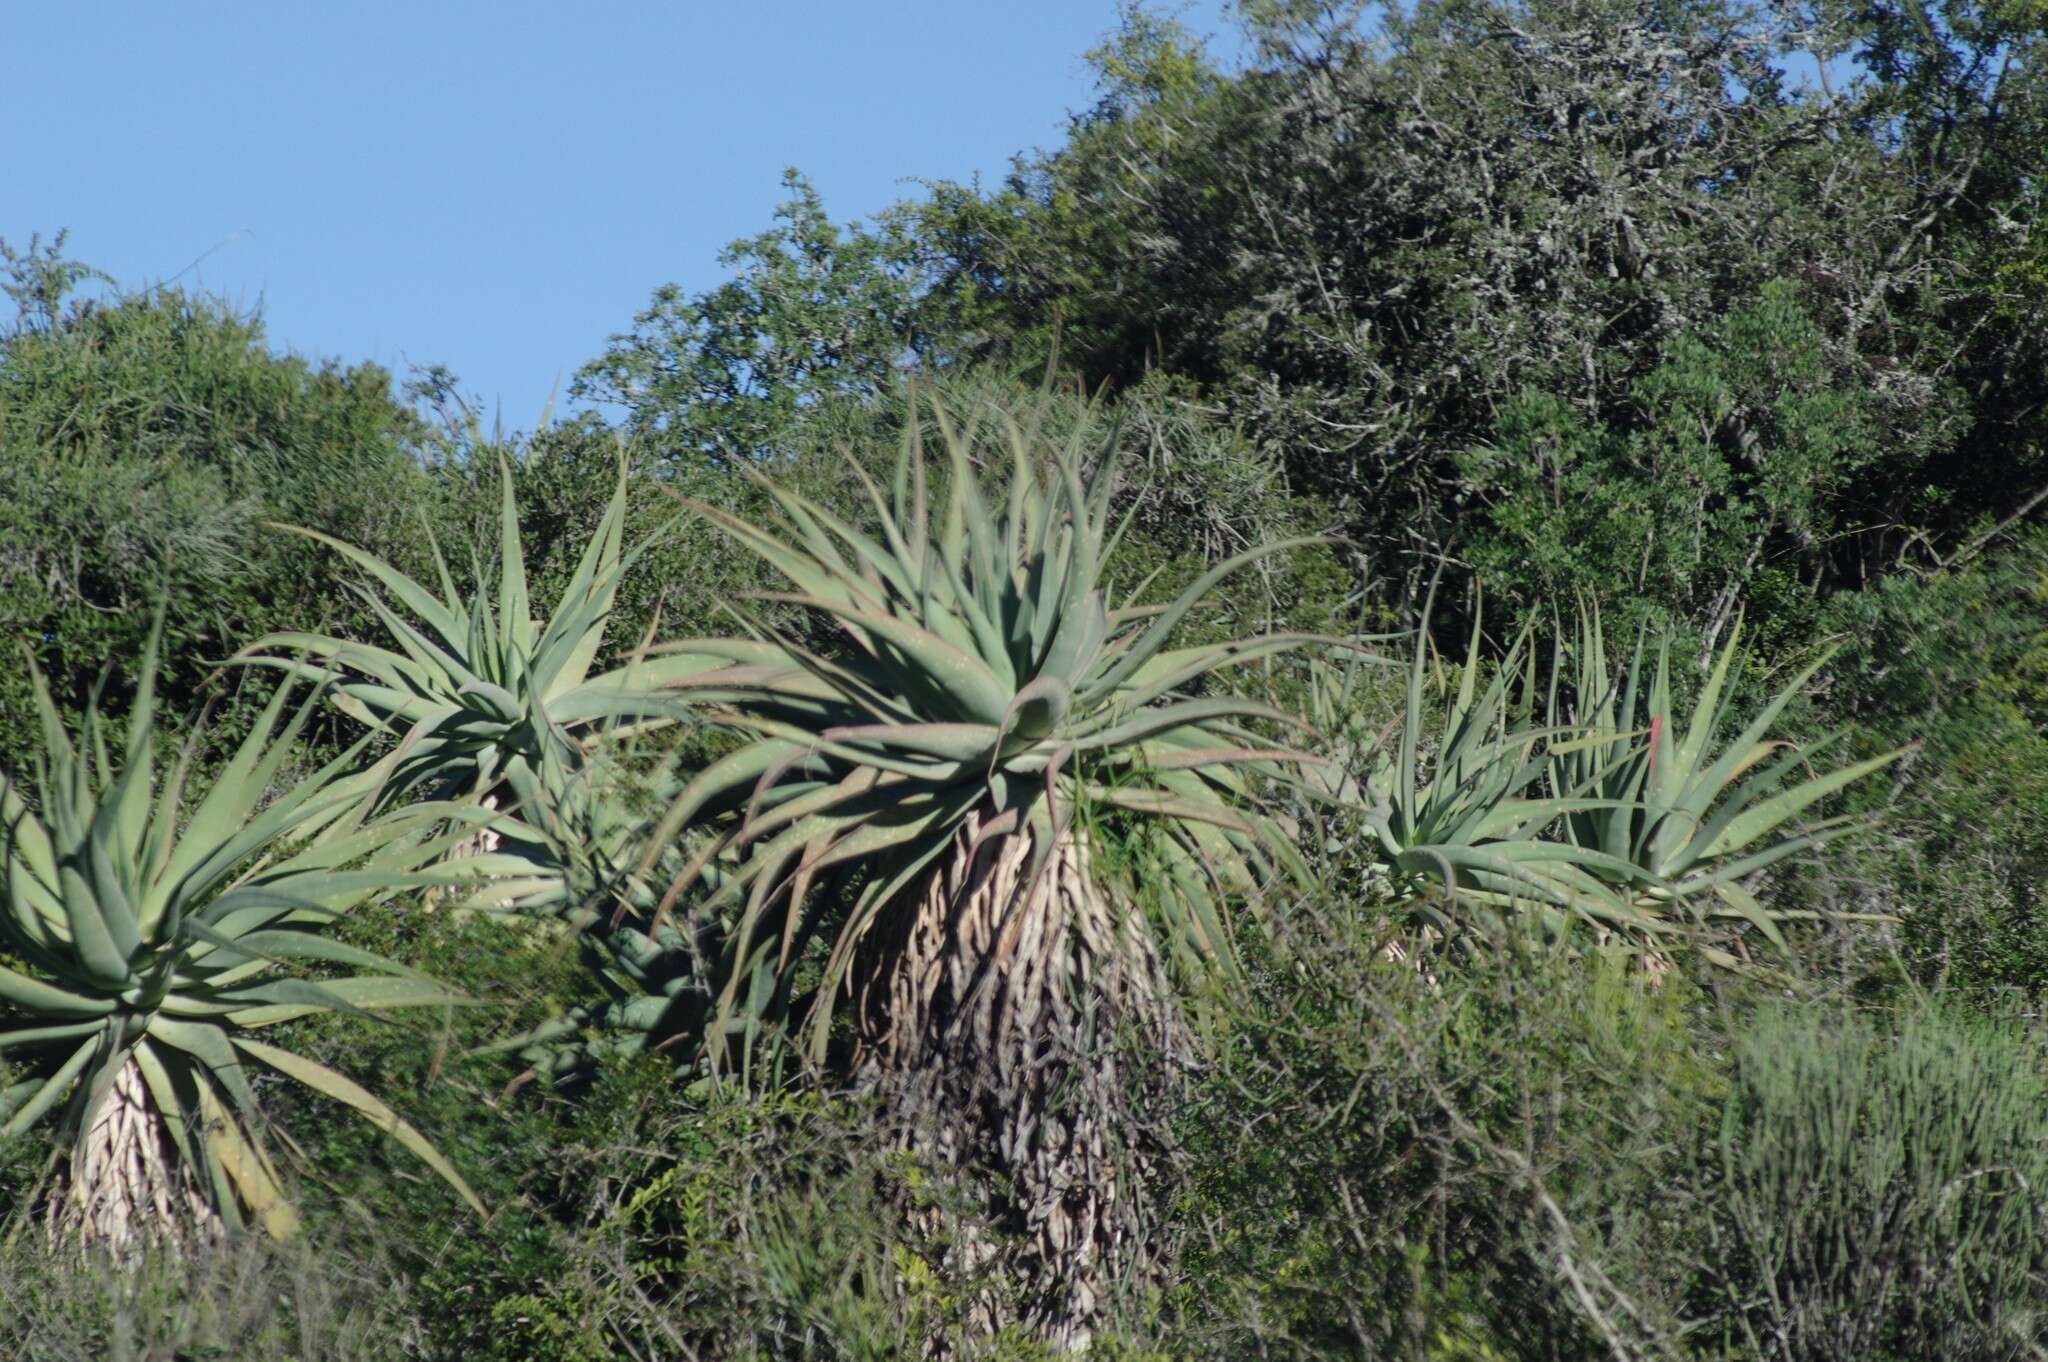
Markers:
point(1740, 440)
point(653, 984)
point(1495, 1158)
point(148, 934)
point(1597, 296)
point(144, 440)
point(253, 1299)
point(1533, 1155)
point(1584, 297)
point(1878, 1195)
point(726, 1225)
point(1956, 659)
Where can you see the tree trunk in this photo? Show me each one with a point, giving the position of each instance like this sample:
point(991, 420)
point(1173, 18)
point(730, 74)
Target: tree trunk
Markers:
point(1020, 1027)
point(126, 1186)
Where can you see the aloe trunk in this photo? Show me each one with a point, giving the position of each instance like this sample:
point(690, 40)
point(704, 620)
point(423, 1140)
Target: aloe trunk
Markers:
point(123, 1185)
point(1018, 1021)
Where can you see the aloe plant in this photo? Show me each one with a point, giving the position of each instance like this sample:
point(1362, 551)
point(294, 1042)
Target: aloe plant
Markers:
point(1608, 811)
point(1476, 815)
point(1456, 797)
point(941, 773)
point(570, 859)
point(151, 942)
point(1689, 811)
point(481, 689)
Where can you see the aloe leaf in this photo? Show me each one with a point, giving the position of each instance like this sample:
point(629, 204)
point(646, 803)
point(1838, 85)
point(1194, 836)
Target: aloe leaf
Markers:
point(285, 999)
point(104, 963)
point(34, 997)
point(1717, 776)
point(595, 581)
point(955, 742)
point(910, 865)
point(180, 1120)
point(1763, 818)
point(1161, 803)
point(291, 946)
point(52, 1090)
point(330, 1084)
point(243, 1164)
point(1157, 720)
point(42, 1035)
point(208, 1044)
point(1741, 903)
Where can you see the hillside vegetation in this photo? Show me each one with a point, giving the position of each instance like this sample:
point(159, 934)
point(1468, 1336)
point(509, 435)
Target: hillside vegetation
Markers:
point(1392, 705)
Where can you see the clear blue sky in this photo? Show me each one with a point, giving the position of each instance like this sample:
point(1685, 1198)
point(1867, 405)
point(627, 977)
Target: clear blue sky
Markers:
point(498, 187)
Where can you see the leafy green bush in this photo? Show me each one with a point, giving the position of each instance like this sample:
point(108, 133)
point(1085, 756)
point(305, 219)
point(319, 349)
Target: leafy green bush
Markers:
point(1958, 660)
point(145, 439)
point(1517, 1155)
point(725, 1225)
point(1488, 1155)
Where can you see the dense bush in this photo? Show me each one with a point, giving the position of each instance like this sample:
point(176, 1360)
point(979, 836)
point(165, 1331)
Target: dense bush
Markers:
point(250, 1300)
point(146, 439)
point(1878, 1195)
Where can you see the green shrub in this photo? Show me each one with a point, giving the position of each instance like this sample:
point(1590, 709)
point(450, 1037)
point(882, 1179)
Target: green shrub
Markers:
point(1958, 659)
point(253, 1299)
point(718, 1226)
point(1483, 1155)
point(144, 441)
point(1881, 1195)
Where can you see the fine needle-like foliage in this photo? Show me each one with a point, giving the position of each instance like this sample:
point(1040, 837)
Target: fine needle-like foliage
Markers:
point(482, 689)
point(920, 802)
point(1686, 814)
point(150, 941)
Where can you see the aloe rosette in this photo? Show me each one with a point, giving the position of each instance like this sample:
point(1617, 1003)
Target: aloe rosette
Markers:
point(922, 804)
point(1460, 806)
point(149, 944)
point(479, 689)
point(988, 683)
point(1690, 812)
